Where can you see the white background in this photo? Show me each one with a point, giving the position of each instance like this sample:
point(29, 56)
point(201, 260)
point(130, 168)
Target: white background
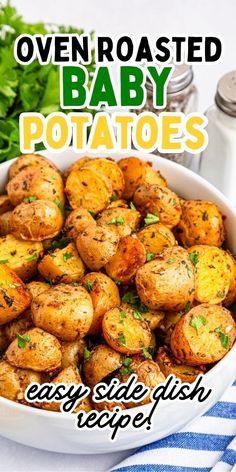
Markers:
point(155, 17)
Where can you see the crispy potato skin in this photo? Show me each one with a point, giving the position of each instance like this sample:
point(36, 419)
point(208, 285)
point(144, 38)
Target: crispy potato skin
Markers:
point(14, 297)
point(167, 282)
point(104, 294)
point(72, 352)
point(14, 381)
point(159, 201)
point(97, 245)
point(36, 221)
point(66, 311)
point(5, 223)
point(203, 346)
point(29, 160)
point(111, 170)
point(62, 265)
point(36, 287)
point(156, 237)
point(130, 220)
point(89, 189)
point(103, 361)
point(154, 318)
point(129, 337)
point(231, 295)
point(130, 255)
point(170, 365)
point(5, 204)
point(41, 182)
point(41, 354)
point(168, 323)
point(20, 325)
point(76, 166)
point(21, 256)
point(77, 221)
point(136, 173)
point(201, 223)
point(212, 273)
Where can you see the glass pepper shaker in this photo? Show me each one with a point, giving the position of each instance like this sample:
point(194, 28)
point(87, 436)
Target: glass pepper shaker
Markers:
point(181, 97)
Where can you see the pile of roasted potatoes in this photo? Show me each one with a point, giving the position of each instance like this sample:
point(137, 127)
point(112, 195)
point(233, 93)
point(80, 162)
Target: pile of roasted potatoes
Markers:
point(105, 272)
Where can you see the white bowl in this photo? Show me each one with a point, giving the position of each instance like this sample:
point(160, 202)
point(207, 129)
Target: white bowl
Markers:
point(56, 432)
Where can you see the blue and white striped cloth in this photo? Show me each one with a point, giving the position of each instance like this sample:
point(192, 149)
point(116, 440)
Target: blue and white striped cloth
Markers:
point(208, 444)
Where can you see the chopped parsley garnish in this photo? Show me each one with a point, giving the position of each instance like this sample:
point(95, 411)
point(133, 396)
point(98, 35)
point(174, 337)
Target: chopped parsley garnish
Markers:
point(32, 258)
point(119, 220)
point(125, 371)
point(62, 243)
point(220, 294)
point(132, 206)
point(127, 361)
point(92, 213)
point(197, 322)
point(194, 257)
point(122, 315)
point(89, 286)
point(151, 219)
point(30, 199)
point(59, 205)
point(224, 338)
point(146, 354)
point(22, 340)
point(170, 260)
point(186, 308)
point(114, 197)
point(138, 316)
point(87, 354)
point(67, 256)
point(150, 256)
point(121, 339)
point(4, 261)
point(117, 282)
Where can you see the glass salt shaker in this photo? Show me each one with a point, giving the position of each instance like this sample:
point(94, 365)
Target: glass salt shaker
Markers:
point(181, 97)
point(218, 160)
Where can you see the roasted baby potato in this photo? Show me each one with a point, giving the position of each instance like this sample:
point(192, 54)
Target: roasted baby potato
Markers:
point(29, 160)
point(124, 220)
point(21, 256)
point(18, 326)
point(62, 265)
point(5, 204)
point(156, 237)
point(154, 318)
point(136, 173)
point(130, 255)
point(72, 352)
point(124, 331)
point(36, 287)
point(203, 335)
point(212, 273)
point(167, 282)
point(201, 223)
point(118, 204)
point(100, 363)
point(5, 223)
point(14, 297)
point(104, 294)
point(66, 311)
point(169, 321)
point(36, 221)
point(170, 365)
point(41, 352)
point(159, 201)
point(14, 381)
point(231, 294)
point(81, 162)
point(89, 189)
point(36, 182)
point(111, 170)
point(77, 221)
point(97, 245)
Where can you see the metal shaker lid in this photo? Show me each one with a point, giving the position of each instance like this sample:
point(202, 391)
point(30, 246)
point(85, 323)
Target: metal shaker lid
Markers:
point(180, 79)
point(226, 93)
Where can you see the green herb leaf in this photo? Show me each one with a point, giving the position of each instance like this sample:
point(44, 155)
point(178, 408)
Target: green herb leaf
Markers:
point(4, 261)
point(114, 197)
point(138, 316)
point(59, 205)
point(197, 322)
point(123, 314)
point(119, 220)
point(87, 354)
point(92, 213)
point(132, 206)
point(125, 370)
point(61, 244)
point(150, 256)
point(67, 256)
point(22, 340)
point(224, 338)
point(121, 339)
point(186, 308)
point(32, 258)
point(170, 260)
point(194, 257)
point(89, 286)
point(30, 199)
point(146, 354)
point(127, 361)
point(151, 219)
